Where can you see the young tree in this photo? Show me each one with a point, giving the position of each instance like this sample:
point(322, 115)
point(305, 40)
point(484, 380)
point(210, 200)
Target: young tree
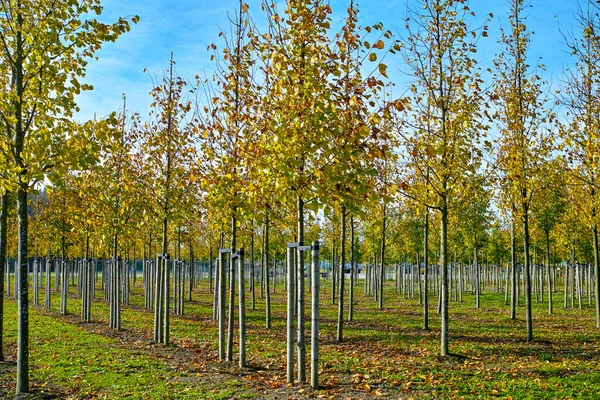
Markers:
point(356, 135)
point(582, 98)
point(167, 158)
point(299, 147)
point(521, 118)
point(474, 221)
point(548, 210)
point(229, 138)
point(46, 46)
point(446, 118)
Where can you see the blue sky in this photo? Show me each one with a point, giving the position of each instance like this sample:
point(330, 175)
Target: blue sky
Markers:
point(187, 27)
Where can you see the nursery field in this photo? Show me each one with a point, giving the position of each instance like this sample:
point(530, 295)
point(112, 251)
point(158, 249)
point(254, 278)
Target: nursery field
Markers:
point(384, 354)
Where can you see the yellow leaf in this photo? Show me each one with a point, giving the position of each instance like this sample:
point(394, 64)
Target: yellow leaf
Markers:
point(383, 69)
point(372, 57)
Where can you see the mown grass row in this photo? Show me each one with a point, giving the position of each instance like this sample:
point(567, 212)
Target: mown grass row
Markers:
point(384, 353)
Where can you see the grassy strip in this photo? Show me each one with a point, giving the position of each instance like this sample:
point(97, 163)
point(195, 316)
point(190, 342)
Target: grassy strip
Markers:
point(385, 353)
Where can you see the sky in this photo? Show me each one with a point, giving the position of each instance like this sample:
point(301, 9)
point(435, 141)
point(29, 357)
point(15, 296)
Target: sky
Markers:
point(186, 27)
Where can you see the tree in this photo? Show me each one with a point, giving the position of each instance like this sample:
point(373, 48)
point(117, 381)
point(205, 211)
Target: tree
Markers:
point(46, 46)
point(116, 198)
point(4, 198)
point(167, 157)
point(299, 147)
point(474, 220)
point(524, 143)
point(358, 139)
point(446, 118)
point(582, 98)
point(548, 210)
point(229, 140)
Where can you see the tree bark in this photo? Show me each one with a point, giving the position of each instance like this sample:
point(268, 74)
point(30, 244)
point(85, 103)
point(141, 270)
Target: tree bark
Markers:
point(528, 315)
point(290, 315)
point(426, 272)
point(340, 317)
point(513, 281)
point(549, 270)
point(352, 272)
point(265, 268)
point(23, 306)
point(3, 237)
point(382, 272)
point(314, 340)
point(301, 315)
point(597, 275)
point(232, 282)
point(477, 279)
point(242, 309)
point(444, 278)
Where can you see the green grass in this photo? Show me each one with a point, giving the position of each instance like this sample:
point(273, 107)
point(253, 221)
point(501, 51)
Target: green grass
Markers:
point(384, 352)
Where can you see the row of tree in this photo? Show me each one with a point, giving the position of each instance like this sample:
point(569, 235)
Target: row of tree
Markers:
point(296, 132)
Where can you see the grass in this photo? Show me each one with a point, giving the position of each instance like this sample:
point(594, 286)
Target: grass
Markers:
point(385, 353)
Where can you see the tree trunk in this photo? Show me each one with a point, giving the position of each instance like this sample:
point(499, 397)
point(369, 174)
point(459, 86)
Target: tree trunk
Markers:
point(221, 303)
point(340, 318)
point(290, 315)
point(3, 237)
point(23, 306)
point(352, 272)
point(597, 275)
point(252, 291)
point(242, 309)
point(382, 272)
point(477, 279)
point(426, 272)
point(444, 278)
point(166, 283)
point(549, 269)
point(232, 282)
point(265, 268)
point(314, 340)
point(301, 316)
point(513, 281)
point(528, 315)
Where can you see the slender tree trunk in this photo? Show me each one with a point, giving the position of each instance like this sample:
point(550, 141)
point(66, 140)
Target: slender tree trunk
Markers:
point(166, 282)
point(252, 291)
point(528, 315)
point(314, 340)
point(301, 315)
point(221, 303)
point(352, 272)
point(290, 316)
point(210, 269)
point(23, 305)
point(340, 319)
point(597, 275)
point(513, 281)
point(333, 269)
point(382, 272)
point(426, 272)
point(444, 279)
point(242, 309)
point(22, 385)
point(232, 282)
point(477, 279)
point(3, 237)
point(265, 268)
point(549, 269)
